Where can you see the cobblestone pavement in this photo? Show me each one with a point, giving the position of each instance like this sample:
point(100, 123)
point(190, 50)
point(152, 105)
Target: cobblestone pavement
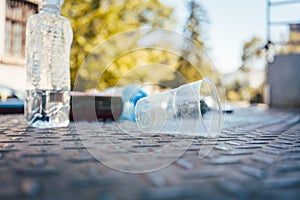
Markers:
point(257, 156)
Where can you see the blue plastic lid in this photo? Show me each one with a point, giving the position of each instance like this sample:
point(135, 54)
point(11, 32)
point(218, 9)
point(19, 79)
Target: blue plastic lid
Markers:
point(130, 96)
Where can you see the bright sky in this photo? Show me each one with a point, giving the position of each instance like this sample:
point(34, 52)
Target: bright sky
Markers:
point(233, 22)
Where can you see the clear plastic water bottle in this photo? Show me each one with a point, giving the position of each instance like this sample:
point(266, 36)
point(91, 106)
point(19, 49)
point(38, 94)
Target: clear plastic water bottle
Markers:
point(48, 41)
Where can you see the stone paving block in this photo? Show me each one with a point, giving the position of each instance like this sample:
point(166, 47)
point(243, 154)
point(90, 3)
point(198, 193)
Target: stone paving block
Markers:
point(253, 172)
point(264, 159)
point(294, 150)
point(82, 160)
point(30, 188)
point(234, 189)
point(89, 182)
point(272, 151)
point(291, 157)
point(224, 161)
point(39, 155)
point(255, 157)
point(236, 153)
point(45, 171)
point(203, 174)
point(282, 182)
point(233, 143)
point(291, 167)
point(182, 192)
point(248, 147)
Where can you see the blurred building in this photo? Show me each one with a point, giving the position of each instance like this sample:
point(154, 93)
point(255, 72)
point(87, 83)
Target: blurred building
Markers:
point(294, 38)
point(283, 74)
point(13, 19)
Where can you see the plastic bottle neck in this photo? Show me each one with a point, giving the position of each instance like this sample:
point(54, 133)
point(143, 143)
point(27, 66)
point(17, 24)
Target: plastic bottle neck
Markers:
point(50, 8)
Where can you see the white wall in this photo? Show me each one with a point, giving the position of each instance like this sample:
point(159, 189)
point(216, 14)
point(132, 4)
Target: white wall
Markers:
point(12, 74)
point(2, 26)
point(284, 81)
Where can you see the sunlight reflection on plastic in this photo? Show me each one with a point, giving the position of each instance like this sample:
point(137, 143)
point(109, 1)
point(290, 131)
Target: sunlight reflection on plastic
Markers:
point(125, 150)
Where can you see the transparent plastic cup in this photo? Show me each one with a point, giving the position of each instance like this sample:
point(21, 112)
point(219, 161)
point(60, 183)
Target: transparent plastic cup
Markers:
point(191, 109)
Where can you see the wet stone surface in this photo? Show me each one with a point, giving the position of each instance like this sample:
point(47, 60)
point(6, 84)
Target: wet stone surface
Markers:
point(257, 156)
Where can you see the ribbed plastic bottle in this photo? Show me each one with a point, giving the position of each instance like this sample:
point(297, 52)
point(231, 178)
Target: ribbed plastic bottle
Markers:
point(48, 42)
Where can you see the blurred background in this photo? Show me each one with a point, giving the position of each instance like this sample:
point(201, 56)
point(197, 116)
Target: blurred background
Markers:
point(255, 45)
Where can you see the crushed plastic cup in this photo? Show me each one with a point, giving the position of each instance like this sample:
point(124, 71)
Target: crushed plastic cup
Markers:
point(191, 109)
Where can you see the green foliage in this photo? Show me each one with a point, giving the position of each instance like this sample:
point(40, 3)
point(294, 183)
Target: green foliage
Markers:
point(144, 65)
point(252, 52)
point(253, 59)
point(194, 29)
point(94, 21)
point(196, 22)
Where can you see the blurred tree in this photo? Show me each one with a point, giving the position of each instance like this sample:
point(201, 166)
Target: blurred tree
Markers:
point(252, 53)
point(253, 63)
point(196, 22)
point(194, 29)
point(94, 21)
